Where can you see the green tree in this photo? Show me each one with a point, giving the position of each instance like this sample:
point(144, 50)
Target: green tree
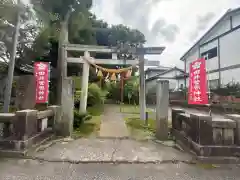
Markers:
point(63, 16)
point(27, 32)
point(63, 20)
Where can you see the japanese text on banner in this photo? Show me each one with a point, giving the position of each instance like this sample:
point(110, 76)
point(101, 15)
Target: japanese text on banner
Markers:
point(41, 70)
point(197, 83)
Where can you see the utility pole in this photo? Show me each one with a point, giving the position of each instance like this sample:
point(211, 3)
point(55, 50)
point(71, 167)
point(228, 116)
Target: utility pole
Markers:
point(11, 66)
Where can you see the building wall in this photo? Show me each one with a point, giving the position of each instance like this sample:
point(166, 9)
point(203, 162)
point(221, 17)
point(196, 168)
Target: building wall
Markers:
point(192, 57)
point(230, 57)
point(173, 83)
point(229, 49)
point(211, 64)
point(228, 76)
point(222, 27)
point(228, 52)
point(151, 85)
point(236, 20)
point(153, 73)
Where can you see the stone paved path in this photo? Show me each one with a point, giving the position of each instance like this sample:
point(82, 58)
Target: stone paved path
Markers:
point(111, 151)
point(111, 146)
point(113, 124)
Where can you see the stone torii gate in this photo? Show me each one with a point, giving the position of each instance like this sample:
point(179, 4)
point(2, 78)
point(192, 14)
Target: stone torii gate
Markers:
point(66, 96)
point(84, 60)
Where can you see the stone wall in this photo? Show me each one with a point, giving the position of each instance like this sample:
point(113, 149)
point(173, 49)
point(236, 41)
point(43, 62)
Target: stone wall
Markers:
point(222, 108)
point(207, 136)
point(21, 130)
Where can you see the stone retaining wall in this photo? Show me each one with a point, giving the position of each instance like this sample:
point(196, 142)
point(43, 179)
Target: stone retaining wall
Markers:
point(207, 136)
point(21, 130)
point(217, 108)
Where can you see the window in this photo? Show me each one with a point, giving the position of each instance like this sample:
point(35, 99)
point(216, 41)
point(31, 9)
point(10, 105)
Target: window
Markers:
point(211, 53)
point(181, 86)
point(214, 83)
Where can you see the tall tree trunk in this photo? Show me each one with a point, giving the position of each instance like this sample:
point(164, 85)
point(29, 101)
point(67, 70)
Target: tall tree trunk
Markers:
point(62, 62)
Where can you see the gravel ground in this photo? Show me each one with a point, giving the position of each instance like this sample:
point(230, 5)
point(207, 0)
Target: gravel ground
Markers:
point(35, 170)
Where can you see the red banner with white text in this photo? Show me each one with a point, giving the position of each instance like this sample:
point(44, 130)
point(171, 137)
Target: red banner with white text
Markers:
point(197, 90)
point(41, 71)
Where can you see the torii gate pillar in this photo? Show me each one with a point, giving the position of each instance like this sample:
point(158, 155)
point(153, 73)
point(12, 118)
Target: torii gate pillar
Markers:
point(85, 78)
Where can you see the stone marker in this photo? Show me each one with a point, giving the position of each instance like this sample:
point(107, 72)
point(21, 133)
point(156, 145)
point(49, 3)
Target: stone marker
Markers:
point(162, 109)
point(25, 92)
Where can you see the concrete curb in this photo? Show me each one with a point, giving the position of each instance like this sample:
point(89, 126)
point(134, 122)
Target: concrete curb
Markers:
point(125, 138)
point(114, 138)
point(217, 160)
point(105, 161)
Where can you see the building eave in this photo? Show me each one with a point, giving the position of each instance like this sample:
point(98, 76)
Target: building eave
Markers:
point(157, 69)
point(203, 36)
point(167, 71)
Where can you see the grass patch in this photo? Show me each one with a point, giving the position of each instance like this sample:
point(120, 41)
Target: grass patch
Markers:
point(138, 130)
point(88, 128)
point(131, 109)
point(136, 123)
point(96, 110)
point(12, 109)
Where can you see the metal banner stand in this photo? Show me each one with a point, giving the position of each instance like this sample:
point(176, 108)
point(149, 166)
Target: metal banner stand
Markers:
point(209, 90)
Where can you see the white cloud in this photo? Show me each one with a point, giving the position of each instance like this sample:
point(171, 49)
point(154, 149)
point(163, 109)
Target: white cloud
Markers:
point(167, 15)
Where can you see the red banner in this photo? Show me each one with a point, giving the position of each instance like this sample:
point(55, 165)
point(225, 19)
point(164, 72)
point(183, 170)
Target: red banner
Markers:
point(41, 71)
point(197, 91)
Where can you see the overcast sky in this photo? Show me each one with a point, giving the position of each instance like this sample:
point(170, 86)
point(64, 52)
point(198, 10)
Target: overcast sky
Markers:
point(176, 24)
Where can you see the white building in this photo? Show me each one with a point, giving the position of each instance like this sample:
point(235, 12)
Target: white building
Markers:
point(153, 71)
point(220, 45)
point(175, 76)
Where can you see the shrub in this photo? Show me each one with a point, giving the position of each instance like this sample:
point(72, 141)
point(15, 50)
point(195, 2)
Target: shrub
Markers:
point(95, 95)
point(95, 110)
point(79, 118)
point(77, 96)
point(131, 91)
point(230, 89)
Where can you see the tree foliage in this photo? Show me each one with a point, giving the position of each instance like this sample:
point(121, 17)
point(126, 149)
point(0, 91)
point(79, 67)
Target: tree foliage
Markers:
point(27, 33)
point(130, 90)
point(42, 25)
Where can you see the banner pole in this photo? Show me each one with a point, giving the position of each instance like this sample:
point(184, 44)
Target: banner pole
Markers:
point(209, 90)
point(49, 80)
